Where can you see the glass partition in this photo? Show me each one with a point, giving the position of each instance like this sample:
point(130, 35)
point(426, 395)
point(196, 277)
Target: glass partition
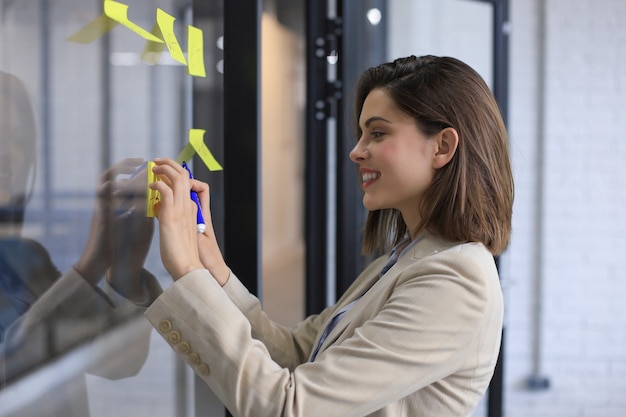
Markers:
point(459, 28)
point(86, 97)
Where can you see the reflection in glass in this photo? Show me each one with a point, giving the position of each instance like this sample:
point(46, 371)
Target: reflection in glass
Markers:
point(45, 313)
point(76, 266)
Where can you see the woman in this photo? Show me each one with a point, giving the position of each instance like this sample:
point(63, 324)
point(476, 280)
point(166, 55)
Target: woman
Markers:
point(418, 332)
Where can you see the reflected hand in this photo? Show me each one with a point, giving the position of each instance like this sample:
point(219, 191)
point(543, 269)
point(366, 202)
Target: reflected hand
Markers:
point(131, 233)
point(120, 233)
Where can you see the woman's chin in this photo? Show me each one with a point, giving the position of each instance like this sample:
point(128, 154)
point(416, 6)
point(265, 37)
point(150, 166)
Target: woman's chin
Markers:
point(370, 204)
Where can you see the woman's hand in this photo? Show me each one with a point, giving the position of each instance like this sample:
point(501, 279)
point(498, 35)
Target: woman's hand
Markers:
point(176, 212)
point(209, 250)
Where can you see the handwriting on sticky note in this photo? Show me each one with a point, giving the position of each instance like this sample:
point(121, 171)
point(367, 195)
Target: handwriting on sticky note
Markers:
point(195, 52)
point(166, 25)
point(153, 50)
point(152, 196)
point(119, 13)
point(196, 139)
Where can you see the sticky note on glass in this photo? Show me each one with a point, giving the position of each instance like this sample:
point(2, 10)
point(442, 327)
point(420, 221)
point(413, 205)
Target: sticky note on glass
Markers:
point(153, 50)
point(93, 30)
point(196, 146)
point(195, 52)
point(186, 154)
point(152, 196)
point(119, 13)
point(196, 139)
point(166, 25)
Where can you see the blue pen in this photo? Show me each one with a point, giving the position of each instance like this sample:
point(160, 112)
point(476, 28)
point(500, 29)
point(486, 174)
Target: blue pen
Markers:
point(194, 197)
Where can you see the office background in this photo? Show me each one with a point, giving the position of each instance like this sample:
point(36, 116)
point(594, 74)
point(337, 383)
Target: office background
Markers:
point(563, 275)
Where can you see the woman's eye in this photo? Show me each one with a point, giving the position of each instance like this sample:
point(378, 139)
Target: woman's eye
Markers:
point(377, 134)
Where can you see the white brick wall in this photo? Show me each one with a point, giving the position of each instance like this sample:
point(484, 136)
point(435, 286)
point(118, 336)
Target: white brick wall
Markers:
point(582, 204)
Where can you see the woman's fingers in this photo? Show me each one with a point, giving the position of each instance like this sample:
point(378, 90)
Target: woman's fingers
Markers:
point(170, 171)
point(177, 220)
point(204, 196)
point(177, 180)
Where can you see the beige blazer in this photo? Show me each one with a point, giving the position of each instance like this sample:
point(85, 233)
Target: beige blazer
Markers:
point(423, 341)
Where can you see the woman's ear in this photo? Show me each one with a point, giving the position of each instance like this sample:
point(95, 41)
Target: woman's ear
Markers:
point(447, 143)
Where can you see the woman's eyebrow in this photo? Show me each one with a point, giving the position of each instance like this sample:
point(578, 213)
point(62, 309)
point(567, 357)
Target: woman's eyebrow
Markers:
point(375, 119)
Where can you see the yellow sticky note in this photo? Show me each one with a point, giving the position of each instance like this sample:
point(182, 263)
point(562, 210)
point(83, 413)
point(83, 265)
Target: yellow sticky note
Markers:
point(93, 30)
point(119, 13)
point(196, 139)
point(153, 50)
point(186, 154)
point(166, 24)
point(152, 196)
point(195, 52)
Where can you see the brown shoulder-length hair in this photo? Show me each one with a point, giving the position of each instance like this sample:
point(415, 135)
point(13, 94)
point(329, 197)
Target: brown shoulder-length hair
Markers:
point(471, 197)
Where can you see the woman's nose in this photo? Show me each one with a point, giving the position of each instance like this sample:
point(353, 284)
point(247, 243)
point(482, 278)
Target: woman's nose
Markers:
point(358, 153)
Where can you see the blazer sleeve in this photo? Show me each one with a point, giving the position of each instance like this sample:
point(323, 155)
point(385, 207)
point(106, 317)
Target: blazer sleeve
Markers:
point(287, 346)
point(72, 312)
point(432, 322)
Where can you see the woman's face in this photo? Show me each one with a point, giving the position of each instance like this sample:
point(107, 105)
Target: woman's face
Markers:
point(11, 158)
point(6, 146)
point(395, 158)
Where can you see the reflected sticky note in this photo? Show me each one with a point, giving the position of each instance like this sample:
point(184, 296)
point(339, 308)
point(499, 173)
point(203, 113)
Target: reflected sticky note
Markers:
point(152, 196)
point(195, 52)
point(93, 30)
point(153, 50)
point(166, 25)
point(196, 139)
point(119, 13)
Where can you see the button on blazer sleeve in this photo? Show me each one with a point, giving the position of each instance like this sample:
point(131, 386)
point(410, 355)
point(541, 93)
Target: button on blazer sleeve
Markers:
point(425, 336)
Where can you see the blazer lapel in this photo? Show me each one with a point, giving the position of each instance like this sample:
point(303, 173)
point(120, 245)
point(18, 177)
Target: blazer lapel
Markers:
point(364, 282)
point(370, 277)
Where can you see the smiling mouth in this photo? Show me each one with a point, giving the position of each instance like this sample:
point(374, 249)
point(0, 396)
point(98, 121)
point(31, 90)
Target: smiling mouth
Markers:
point(369, 178)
